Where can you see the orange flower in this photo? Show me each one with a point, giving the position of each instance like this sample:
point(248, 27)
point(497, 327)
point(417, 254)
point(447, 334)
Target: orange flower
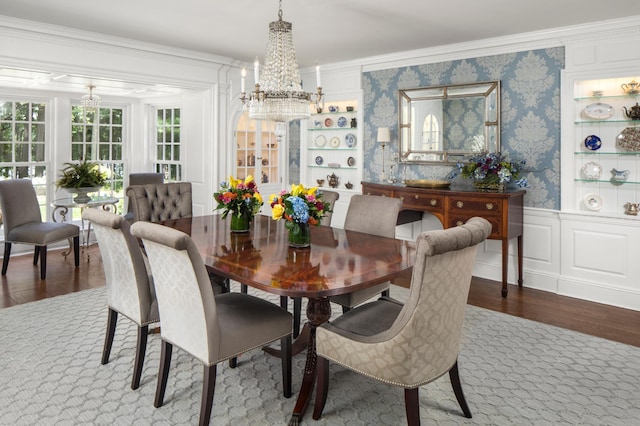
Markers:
point(313, 221)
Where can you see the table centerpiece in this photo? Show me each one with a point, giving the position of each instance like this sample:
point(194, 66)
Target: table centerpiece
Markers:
point(242, 199)
point(301, 208)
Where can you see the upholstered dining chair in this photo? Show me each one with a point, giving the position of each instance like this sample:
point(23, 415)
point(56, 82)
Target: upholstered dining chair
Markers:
point(160, 201)
point(129, 286)
point(330, 197)
point(141, 179)
point(23, 224)
point(212, 328)
point(412, 344)
point(370, 214)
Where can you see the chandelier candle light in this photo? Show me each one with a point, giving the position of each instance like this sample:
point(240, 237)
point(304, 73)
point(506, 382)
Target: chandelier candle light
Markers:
point(278, 94)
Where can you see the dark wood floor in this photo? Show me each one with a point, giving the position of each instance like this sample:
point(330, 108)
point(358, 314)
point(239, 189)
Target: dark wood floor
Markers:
point(22, 284)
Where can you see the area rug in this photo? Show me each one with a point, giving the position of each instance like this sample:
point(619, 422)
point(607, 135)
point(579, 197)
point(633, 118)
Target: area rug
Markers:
point(514, 372)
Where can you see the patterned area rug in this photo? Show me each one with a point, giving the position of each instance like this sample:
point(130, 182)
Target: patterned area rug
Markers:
point(514, 372)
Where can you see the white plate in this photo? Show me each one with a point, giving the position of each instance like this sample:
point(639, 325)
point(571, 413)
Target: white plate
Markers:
point(334, 142)
point(598, 111)
point(320, 141)
point(350, 140)
point(592, 202)
point(592, 170)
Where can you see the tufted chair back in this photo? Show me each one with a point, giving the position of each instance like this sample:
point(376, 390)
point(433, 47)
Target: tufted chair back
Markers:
point(161, 201)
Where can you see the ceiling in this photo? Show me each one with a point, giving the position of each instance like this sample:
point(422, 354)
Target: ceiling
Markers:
point(324, 31)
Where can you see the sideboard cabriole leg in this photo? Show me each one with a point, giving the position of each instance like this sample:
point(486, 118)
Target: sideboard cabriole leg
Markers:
point(505, 266)
point(520, 243)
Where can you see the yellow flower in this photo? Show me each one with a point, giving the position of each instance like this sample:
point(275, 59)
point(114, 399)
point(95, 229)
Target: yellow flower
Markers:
point(273, 198)
point(312, 191)
point(277, 211)
point(248, 179)
point(233, 182)
point(297, 190)
point(258, 197)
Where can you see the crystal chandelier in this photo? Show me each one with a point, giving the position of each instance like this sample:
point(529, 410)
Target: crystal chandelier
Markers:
point(90, 101)
point(278, 94)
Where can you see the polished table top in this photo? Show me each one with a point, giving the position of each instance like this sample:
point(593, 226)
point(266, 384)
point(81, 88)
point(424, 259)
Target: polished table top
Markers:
point(337, 262)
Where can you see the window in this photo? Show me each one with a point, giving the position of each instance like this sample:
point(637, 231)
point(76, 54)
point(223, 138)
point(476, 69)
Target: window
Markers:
point(99, 136)
point(431, 133)
point(23, 140)
point(167, 159)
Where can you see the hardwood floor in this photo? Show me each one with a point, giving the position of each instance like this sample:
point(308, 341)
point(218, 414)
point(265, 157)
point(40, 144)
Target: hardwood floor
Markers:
point(22, 284)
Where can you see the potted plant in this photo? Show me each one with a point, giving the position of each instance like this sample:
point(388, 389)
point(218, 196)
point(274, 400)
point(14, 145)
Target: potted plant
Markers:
point(81, 179)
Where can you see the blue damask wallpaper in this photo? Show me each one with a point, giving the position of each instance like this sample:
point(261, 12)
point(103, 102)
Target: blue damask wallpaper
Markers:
point(530, 121)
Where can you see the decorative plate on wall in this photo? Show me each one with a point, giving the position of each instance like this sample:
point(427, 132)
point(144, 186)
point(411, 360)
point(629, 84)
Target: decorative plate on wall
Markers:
point(351, 161)
point(334, 142)
point(629, 139)
point(592, 170)
point(342, 121)
point(592, 202)
point(319, 160)
point(598, 111)
point(328, 122)
point(350, 140)
point(592, 142)
point(320, 141)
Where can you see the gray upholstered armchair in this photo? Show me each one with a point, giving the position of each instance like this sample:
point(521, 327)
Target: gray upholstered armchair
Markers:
point(23, 224)
point(141, 179)
point(161, 201)
point(212, 328)
point(129, 285)
point(412, 344)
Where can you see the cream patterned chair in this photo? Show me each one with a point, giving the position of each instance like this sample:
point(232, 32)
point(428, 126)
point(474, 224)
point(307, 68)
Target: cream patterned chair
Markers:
point(376, 215)
point(160, 201)
point(330, 197)
point(413, 344)
point(23, 224)
point(212, 328)
point(129, 286)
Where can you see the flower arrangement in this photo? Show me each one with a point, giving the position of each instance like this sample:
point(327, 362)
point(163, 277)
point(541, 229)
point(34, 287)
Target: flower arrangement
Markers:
point(300, 207)
point(86, 174)
point(491, 169)
point(239, 197)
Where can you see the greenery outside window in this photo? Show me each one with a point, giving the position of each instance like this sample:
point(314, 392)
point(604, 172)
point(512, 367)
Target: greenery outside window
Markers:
point(23, 143)
point(167, 144)
point(99, 136)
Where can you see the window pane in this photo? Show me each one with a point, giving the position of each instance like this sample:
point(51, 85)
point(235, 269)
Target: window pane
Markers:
point(37, 112)
point(22, 111)
point(159, 153)
point(6, 110)
point(37, 132)
point(105, 116)
point(167, 117)
point(116, 134)
point(6, 172)
point(21, 132)
point(105, 134)
point(6, 153)
point(89, 134)
point(37, 152)
point(167, 152)
point(167, 134)
point(176, 134)
point(176, 152)
point(22, 152)
point(116, 152)
point(5, 132)
point(160, 118)
point(116, 116)
point(104, 152)
point(22, 172)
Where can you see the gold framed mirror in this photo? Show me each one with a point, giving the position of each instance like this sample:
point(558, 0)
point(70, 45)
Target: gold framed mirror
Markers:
point(445, 124)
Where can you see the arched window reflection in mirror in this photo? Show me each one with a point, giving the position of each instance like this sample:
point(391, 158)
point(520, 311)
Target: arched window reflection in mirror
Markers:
point(431, 133)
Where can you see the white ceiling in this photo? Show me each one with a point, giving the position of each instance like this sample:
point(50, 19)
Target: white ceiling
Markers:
point(324, 31)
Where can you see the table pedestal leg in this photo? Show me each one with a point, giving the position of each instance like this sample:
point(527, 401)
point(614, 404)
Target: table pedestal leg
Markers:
point(318, 312)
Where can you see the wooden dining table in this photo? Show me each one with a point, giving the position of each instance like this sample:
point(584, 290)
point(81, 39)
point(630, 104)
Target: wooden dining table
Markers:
point(337, 262)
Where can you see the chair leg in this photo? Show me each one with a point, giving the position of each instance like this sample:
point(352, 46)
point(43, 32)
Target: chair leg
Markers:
point(386, 293)
point(143, 333)
point(285, 357)
point(112, 320)
point(244, 288)
point(208, 389)
point(5, 259)
point(412, 406)
point(76, 250)
point(322, 386)
point(345, 309)
point(233, 362)
point(454, 376)
point(297, 312)
point(43, 262)
point(163, 373)
point(36, 254)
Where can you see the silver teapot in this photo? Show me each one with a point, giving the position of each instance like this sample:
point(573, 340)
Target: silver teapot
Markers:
point(631, 209)
point(333, 180)
point(633, 112)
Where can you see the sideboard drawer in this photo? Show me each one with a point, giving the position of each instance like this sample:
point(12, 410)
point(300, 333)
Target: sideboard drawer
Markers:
point(422, 201)
point(480, 206)
point(378, 191)
point(460, 218)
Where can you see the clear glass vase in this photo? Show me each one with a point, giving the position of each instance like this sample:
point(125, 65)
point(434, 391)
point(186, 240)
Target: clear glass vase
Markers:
point(240, 223)
point(300, 236)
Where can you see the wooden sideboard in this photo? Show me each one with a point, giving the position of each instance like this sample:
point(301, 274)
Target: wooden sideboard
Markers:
point(454, 207)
